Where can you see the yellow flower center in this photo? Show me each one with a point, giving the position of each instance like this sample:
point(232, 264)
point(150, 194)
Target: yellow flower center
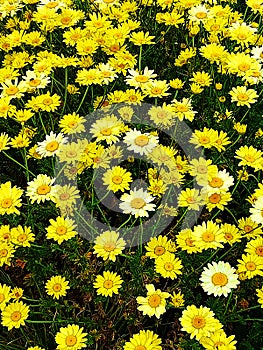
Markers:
point(249, 158)
point(198, 322)
point(159, 250)
point(109, 246)
point(141, 79)
point(71, 154)
point(6, 236)
point(214, 198)
point(202, 169)
point(137, 203)
point(22, 237)
point(3, 253)
point(72, 125)
point(204, 139)
point(242, 97)
point(106, 132)
point(259, 250)
point(140, 347)
point(2, 297)
point(215, 27)
point(65, 20)
point(6, 203)
point(43, 189)
point(228, 236)
point(208, 236)
point(115, 48)
point(216, 182)
point(71, 340)
point(219, 279)
point(57, 287)
point(190, 200)
point(182, 108)
point(117, 180)
point(168, 266)
point(108, 284)
point(201, 15)
point(242, 36)
point(217, 344)
point(156, 91)
point(47, 101)
point(52, 146)
point(189, 242)
point(34, 82)
point(251, 266)
point(61, 230)
point(64, 196)
point(16, 316)
point(12, 90)
point(248, 228)
point(244, 67)
point(141, 140)
point(154, 300)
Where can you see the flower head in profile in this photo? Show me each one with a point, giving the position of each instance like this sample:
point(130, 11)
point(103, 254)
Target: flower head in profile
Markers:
point(219, 278)
point(70, 338)
point(146, 340)
point(137, 203)
point(108, 245)
point(154, 303)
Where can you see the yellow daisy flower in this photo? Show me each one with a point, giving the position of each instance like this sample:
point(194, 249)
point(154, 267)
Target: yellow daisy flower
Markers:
point(108, 245)
point(168, 266)
point(71, 337)
point(61, 229)
point(199, 322)
point(154, 303)
point(5, 295)
point(108, 283)
point(10, 199)
point(14, 315)
point(144, 340)
point(57, 286)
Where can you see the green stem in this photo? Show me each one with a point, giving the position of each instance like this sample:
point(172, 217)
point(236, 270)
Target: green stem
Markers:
point(228, 302)
point(66, 91)
point(15, 161)
point(230, 212)
point(83, 98)
point(140, 59)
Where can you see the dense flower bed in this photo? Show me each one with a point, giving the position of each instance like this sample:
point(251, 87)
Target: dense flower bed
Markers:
point(131, 190)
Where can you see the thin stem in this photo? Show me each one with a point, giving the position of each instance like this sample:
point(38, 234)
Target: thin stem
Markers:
point(15, 161)
point(83, 98)
point(140, 59)
point(66, 91)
